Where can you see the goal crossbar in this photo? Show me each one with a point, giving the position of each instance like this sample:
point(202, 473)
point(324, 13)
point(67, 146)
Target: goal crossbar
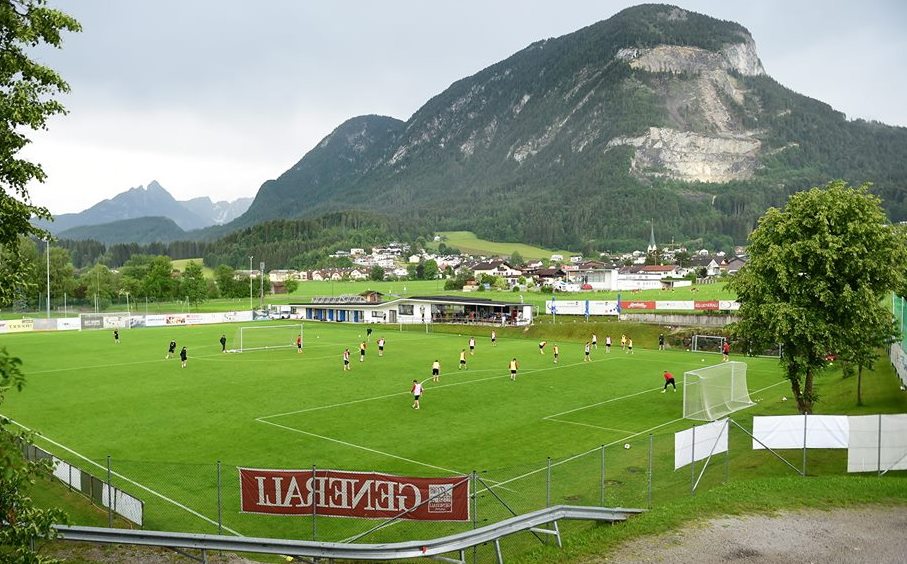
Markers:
point(262, 337)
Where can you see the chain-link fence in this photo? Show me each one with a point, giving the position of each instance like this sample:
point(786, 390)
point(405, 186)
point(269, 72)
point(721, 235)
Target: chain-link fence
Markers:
point(639, 473)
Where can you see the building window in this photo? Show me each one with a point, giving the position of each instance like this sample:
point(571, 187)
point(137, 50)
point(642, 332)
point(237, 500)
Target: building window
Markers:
point(405, 309)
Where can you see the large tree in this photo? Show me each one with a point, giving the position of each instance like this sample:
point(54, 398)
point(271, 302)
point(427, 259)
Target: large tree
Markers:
point(27, 91)
point(193, 285)
point(817, 273)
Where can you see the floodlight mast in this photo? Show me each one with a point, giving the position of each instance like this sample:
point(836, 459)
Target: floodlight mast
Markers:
point(47, 245)
point(250, 282)
point(261, 286)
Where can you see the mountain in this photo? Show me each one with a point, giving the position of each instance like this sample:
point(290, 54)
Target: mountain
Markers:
point(139, 230)
point(217, 213)
point(579, 140)
point(151, 202)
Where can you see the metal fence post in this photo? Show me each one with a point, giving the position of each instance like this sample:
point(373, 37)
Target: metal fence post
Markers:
point(879, 448)
point(314, 505)
point(548, 485)
point(693, 463)
point(220, 516)
point(727, 453)
point(805, 417)
point(602, 484)
point(649, 478)
point(109, 496)
point(475, 516)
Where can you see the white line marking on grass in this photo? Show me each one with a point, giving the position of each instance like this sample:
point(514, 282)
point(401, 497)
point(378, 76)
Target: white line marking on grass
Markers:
point(360, 447)
point(124, 478)
point(586, 425)
point(628, 396)
point(462, 383)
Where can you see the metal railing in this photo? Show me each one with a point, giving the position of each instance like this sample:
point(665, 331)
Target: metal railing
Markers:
point(453, 544)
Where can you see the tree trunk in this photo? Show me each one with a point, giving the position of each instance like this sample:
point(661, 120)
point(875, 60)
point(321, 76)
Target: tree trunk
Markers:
point(804, 397)
point(859, 383)
point(794, 378)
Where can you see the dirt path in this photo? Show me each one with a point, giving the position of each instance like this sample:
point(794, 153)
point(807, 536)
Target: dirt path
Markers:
point(843, 536)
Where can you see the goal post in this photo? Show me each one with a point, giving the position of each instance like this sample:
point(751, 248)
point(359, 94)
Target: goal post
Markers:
point(713, 392)
point(707, 343)
point(263, 337)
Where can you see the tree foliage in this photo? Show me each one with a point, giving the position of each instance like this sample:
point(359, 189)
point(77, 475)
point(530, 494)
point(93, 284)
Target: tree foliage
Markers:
point(818, 271)
point(192, 284)
point(27, 91)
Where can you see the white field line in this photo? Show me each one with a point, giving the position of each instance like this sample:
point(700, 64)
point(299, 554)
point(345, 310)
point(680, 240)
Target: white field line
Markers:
point(586, 425)
point(124, 478)
point(600, 403)
point(360, 447)
point(385, 396)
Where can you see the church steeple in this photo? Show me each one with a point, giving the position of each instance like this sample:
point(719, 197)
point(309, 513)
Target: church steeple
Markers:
point(652, 246)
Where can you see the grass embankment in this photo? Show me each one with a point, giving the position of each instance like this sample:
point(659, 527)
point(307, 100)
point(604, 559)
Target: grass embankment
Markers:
point(468, 243)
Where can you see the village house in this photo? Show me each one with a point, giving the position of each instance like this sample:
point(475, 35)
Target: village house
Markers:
point(499, 268)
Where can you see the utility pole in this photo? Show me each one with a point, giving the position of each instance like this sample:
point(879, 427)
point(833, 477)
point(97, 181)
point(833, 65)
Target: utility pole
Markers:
point(250, 282)
point(47, 244)
point(261, 286)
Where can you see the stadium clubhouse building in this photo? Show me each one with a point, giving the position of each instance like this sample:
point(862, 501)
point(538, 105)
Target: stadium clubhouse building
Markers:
point(370, 307)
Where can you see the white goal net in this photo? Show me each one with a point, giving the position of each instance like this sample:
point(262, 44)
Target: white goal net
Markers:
point(713, 392)
point(261, 337)
point(707, 343)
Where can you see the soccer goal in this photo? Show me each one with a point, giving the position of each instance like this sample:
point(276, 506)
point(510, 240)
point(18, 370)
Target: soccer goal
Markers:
point(106, 320)
point(707, 343)
point(712, 392)
point(261, 337)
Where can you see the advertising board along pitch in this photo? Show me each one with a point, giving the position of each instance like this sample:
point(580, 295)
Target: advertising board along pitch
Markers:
point(340, 493)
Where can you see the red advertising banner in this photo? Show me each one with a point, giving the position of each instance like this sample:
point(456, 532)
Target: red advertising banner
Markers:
point(628, 305)
point(711, 304)
point(367, 495)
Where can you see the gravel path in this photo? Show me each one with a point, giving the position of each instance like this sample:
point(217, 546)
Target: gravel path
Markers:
point(843, 536)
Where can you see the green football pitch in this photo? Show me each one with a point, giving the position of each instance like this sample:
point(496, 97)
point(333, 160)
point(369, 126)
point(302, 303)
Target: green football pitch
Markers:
point(165, 427)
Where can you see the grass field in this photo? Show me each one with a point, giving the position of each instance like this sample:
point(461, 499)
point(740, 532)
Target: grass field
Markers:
point(165, 427)
point(468, 243)
point(180, 265)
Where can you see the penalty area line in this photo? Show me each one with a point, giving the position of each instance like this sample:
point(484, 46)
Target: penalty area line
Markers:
point(133, 482)
point(361, 447)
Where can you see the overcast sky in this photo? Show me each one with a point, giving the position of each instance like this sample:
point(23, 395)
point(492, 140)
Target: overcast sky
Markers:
point(213, 97)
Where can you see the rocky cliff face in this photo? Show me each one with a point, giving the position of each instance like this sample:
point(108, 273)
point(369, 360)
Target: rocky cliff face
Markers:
point(706, 86)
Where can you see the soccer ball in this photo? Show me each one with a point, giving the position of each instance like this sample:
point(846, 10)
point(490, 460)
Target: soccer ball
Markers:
point(701, 360)
point(627, 446)
point(784, 399)
point(360, 336)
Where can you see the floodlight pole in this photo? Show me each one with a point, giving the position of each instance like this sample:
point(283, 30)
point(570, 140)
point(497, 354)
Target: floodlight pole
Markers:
point(250, 282)
point(47, 245)
point(261, 286)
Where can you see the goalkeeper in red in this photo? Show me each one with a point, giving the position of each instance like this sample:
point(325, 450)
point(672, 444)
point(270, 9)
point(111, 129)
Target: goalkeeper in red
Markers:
point(669, 379)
